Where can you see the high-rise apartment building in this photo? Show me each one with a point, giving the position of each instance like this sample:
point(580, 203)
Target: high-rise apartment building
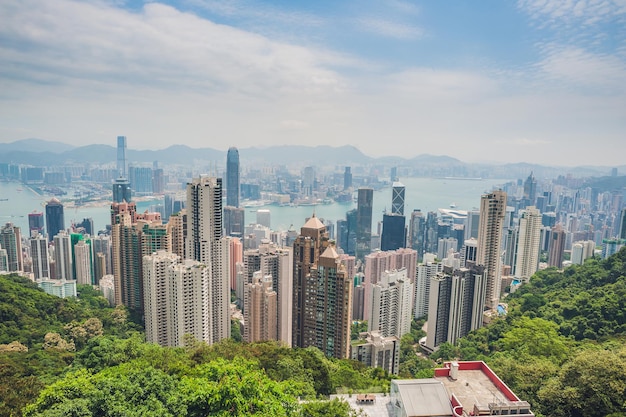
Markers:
point(392, 304)
point(277, 263)
point(307, 248)
point(490, 228)
point(365, 203)
point(234, 221)
point(582, 250)
point(376, 351)
point(176, 299)
point(55, 220)
point(557, 246)
point(425, 273)
point(397, 198)
point(260, 309)
point(232, 177)
point(622, 224)
point(39, 255)
point(63, 259)
point(206, 244)
point(456, 304)
point(11, 241)
point(83, 263)
point(528, 243)
point(121, 157)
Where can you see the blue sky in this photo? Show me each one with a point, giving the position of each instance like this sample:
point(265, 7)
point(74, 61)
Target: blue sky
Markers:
point(540, 81)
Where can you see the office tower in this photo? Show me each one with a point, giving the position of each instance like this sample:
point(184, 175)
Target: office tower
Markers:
point(492, 210)
point(416, 233)
point(205, 244)
point(55, 220)
point(63, 262)
point(557, 246)
point(35, 223)
point(140, 180)
point(121, 158)
point(347, 178)
point(176, 298)
point(528, 243)
point(263, 217)
point(431, 232)
point(40, 257)
point(456, 304)
point(622, 224)
point(376, 351)
point(394, 232)
point(346, 233)
point(469, 251)
point(232, 177)
point(234, 222)
point(276, 262)
point(365, 202)
point(530, 190)
point(121, 190)
point(158, 181)
point(445, 245)
point(425, 273)
point(397, 198)
point(11, 241)
point(83, 263)
point(393, 174)
point(308, 181)
point(178, 230)
point(511, 239)
point(85, 227)
point(99, 267)
point(173, 203)
point(307, 248)
point(611, 247)
point(260, 309)
point(471, 224)
point(392, 304)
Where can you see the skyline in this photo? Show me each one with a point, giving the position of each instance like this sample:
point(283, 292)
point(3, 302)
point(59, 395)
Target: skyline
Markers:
point(533, 81)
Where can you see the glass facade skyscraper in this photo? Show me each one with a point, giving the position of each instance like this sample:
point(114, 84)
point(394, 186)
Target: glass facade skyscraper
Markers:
point(232, 177)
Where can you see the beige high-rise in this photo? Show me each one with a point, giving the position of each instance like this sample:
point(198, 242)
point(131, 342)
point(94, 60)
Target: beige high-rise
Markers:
point(528, 243)
point(260, 308)
point(490, 226)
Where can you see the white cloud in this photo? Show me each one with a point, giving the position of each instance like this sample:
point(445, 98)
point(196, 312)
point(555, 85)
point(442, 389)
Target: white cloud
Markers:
point(588, 12)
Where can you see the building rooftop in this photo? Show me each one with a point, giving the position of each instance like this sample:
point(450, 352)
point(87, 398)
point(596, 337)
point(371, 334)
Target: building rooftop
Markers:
point(474, 388)
point(423, 397)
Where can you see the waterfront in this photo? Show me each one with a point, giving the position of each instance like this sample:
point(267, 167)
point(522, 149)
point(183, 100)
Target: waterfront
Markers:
point(427, 194)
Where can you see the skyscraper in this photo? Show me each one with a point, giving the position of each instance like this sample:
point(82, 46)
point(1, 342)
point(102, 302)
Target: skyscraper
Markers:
point(307, 248)
point(260, 309)
point(622, 224)
point(425, 273)
point(63, 256)
point(55, 220)
point(347, 178)
point(365, 203)
point(121, 190)
point(557, 246)
point(530, 190)
point(232, 177)
point(392, 304)
point(83, 263)
point(394, 232)
point(39, 255)
point(397, 198)
point(140, 180)
point(121, 157)
point(492, 211)
point(11, 241)
point(528, 243)
point(35, 223)
point(234, 221)
point(456, 304)
point(416, 232)
point(205, 244)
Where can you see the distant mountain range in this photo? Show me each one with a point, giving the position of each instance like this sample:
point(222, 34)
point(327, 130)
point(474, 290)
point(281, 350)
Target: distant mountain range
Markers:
point(39, 152)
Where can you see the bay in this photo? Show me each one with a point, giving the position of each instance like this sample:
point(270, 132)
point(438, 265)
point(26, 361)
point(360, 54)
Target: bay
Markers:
point(427, 194)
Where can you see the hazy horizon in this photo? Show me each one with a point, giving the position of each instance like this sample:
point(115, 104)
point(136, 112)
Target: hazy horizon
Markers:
point(529, 81)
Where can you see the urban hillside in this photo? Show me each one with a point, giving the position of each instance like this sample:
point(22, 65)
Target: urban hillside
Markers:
point(561, 347)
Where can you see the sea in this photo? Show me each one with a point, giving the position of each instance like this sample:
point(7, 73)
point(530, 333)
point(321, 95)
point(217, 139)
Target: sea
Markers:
point(426, 194)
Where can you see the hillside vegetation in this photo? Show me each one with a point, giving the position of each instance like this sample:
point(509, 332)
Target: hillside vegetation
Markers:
point(561, 347)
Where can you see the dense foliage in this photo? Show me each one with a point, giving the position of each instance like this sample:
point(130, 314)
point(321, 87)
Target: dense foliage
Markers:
point(561, 347)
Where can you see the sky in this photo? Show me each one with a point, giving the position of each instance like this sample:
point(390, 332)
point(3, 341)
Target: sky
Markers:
point(538, 81)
